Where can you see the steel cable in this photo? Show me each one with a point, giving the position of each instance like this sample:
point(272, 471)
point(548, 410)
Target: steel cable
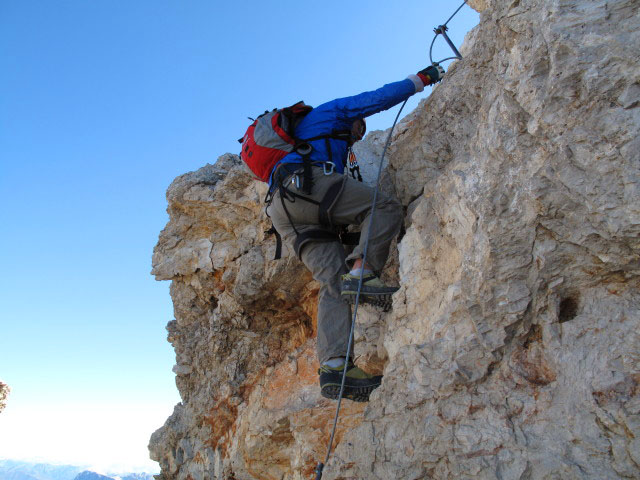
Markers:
point(321, 465)
point(357, 302)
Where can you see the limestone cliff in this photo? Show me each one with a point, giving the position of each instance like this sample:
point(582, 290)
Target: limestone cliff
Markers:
point(513, 348)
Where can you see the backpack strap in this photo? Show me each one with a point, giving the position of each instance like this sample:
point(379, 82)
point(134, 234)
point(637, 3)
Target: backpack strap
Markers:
point(304, 149)
point(273, 230)
point(327, 202)
point(325, 236)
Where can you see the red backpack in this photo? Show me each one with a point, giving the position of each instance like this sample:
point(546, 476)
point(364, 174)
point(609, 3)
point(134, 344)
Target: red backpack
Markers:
point(270, 138)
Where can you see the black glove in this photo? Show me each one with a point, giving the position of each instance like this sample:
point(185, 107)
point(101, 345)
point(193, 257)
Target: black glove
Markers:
point(432, 74)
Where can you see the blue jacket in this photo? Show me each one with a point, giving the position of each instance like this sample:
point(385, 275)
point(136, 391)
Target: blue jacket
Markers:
point(339, 115)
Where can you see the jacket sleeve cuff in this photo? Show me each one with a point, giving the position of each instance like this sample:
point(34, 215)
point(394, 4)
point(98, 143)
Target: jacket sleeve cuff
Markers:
point(417, 82)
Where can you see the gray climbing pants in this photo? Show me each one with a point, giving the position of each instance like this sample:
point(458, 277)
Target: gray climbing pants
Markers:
point(327, 261)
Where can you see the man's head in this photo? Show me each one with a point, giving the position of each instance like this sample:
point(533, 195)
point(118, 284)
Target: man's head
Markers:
point(358, 129)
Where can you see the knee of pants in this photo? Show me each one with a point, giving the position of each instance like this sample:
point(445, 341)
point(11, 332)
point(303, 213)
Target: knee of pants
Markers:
point(325, 261)
point(392, 210)
point(330, 291)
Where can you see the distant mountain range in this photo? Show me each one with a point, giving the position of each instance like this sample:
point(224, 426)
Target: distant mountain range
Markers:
point(88, 475)
point(16, 470)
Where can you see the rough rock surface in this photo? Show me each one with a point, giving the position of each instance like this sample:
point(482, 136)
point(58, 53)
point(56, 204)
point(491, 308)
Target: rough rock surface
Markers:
point(4, 393)
point(244, 337)
point(513, 349)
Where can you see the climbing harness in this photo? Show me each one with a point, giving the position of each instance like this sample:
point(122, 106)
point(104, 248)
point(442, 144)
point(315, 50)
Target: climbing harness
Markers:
point(329, 232)
point(440, 30)
point(283, 175)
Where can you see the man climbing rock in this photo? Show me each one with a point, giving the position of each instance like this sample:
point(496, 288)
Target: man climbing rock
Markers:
point(312, 196)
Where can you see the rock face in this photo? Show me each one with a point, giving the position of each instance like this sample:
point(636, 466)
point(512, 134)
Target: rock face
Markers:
point(513, 348)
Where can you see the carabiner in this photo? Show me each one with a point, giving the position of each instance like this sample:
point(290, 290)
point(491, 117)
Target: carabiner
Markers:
point(331, 168)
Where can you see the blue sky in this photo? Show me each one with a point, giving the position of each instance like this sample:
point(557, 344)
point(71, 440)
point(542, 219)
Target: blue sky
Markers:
point(102, 104)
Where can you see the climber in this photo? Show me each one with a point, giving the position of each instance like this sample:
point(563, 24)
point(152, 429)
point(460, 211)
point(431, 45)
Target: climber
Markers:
point(312, 196)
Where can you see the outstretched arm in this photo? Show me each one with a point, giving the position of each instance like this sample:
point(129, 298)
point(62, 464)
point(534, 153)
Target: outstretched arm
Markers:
point(349, 109)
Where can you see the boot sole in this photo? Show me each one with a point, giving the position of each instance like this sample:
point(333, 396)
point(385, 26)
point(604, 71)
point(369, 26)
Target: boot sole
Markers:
point(356, 394)
point(383, 301)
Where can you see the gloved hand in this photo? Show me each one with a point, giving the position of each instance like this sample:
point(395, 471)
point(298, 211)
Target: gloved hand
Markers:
point(431, 75)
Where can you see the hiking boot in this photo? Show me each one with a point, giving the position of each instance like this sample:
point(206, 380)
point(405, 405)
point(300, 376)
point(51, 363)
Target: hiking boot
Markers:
point(357, 386)
point(373, 291)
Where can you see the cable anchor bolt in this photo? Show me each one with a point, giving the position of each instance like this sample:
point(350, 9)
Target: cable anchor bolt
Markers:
point(442, 30)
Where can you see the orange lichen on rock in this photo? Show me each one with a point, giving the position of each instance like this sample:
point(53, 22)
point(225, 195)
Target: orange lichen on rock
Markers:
point(221, 419)
point(291, 376)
